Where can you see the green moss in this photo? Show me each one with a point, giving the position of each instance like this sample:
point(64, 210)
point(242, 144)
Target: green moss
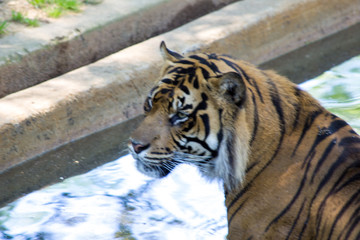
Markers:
point(19, 18)
point(3, 26)
point(55, 8)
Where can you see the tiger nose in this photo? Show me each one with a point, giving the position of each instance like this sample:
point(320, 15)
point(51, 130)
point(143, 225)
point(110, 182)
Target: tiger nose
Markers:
point(138, 148)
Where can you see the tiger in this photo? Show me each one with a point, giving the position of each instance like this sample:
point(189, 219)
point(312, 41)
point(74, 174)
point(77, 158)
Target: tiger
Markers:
point(290, 168)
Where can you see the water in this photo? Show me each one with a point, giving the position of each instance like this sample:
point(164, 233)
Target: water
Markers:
point(115, 201)
point(338, 90)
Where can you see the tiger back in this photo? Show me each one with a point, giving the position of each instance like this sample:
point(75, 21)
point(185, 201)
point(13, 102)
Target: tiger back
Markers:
point(291, 169)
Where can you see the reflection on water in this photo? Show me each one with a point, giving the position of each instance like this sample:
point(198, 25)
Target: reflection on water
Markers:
point(115, 201)
point(339, 91)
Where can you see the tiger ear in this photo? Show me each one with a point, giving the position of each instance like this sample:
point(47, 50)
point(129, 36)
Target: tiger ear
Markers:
point(233, 88)
point(169, 55)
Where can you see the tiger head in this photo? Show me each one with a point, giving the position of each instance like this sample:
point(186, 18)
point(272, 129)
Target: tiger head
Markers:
point(195, 114)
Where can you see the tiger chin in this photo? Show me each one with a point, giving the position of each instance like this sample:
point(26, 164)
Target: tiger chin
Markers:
point(291, 169)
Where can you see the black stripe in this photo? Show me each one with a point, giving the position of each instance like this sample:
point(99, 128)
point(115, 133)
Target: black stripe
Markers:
point(309, 121)
point(201, 60)
point(305, 225)
point(181, 70)
point(167, 68)
point(207, 63)
point(348, 182)
point(165, 90)
point(295, 197)
point(160, 153)
point(324, 155)
point(185, 62)
point(248, 186)
point(230, 150)
point(196, 82)
point(353, 225)
point(236, 211)
point(251, 166)
point(296, 220)
point(177, 143)
point(202, 143)
point(254, 83)
point(153, 90)
point(190, 125)
point(256, 119)
point(352, 132)
point(236, 68)
point(297, 106)
point(277, 103)
point(343, 210)
point(187, 106)
point(181, 99)
point(185, 89)
point(326, 132)
point(340, 160)
point(282, 131)
point(167, 81)
point(336, 126)
point(323, 158)
point(206, 122)
point(220, 134)
point(201, 106)
point(205, 73)
point(175, 70)
point(348, 171)
point(349, 141)
point(174, 54)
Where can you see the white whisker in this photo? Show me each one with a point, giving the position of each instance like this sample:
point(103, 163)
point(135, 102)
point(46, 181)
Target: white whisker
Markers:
point(189, 158)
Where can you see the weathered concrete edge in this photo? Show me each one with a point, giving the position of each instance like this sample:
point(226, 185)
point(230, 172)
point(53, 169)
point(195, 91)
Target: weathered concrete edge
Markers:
point(112, 90)
point(38, 54)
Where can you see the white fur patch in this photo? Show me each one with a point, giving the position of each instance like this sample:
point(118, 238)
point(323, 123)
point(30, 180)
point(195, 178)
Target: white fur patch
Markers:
point(233, 175)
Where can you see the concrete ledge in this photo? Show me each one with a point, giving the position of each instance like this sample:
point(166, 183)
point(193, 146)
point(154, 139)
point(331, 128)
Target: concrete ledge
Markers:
point(112, 90)
point(34, 55)
point(74, 158)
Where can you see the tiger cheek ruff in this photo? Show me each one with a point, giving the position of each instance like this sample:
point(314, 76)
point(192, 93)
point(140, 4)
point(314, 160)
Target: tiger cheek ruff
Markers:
point(290, 168)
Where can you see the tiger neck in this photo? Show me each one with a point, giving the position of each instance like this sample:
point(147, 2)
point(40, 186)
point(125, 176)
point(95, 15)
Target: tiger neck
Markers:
point(274, 128)
point(272, 122)
point(233, 153)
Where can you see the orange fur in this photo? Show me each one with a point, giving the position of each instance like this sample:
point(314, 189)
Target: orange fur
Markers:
point(290, 168)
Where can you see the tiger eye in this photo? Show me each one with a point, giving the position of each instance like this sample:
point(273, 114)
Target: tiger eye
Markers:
point(181, 115)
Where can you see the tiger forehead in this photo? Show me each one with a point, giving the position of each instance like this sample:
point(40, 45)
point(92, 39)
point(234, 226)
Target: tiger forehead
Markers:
point(176, 84)
point(182, 81)
point(174, 97)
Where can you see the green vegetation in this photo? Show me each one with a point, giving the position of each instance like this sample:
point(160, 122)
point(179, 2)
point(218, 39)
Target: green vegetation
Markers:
point(3, 26)
point(55, 8)
point(18, 17)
